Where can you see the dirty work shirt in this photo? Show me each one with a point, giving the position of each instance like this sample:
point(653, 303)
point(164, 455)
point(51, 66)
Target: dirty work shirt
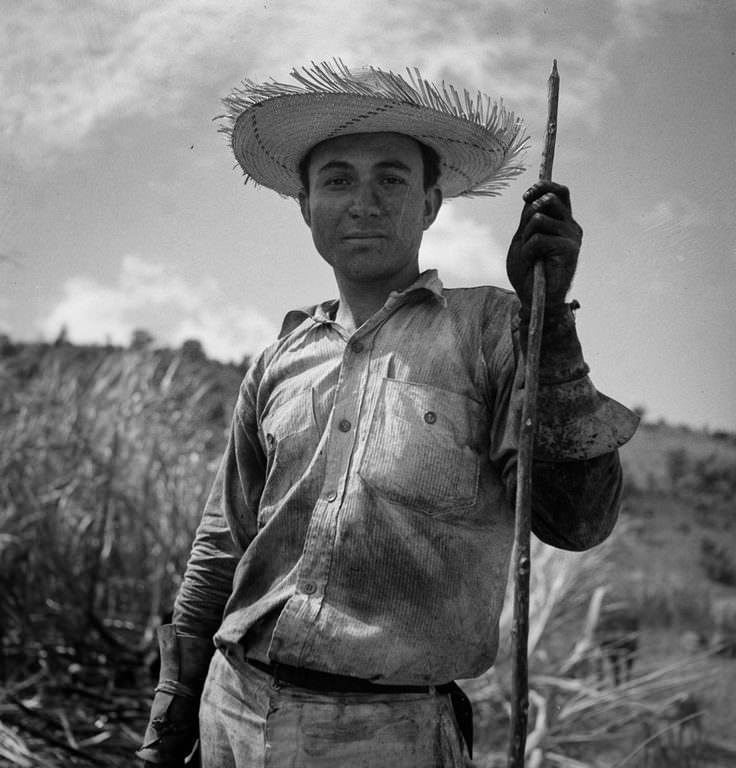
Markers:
point(361, 521)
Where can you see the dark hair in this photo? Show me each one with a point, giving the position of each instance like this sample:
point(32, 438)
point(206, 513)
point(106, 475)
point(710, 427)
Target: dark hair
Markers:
point(430, 163)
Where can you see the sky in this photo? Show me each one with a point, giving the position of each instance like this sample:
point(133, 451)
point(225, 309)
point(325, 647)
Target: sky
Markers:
point(121, 207)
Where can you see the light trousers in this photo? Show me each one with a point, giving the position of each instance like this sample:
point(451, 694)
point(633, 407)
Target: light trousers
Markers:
point(248, 721)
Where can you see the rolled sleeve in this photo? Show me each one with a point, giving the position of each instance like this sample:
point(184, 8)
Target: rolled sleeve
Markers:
point(576, 477)
point(575, 421)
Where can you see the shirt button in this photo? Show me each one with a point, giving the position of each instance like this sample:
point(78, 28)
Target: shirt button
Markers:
point(269, 438)
point(332, 495)
point(345, 425)
point(430, 417)
point(357, 347)
point(310, 587)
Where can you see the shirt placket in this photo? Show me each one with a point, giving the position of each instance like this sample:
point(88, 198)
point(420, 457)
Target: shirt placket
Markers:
point(301, 611)
point(299, 614)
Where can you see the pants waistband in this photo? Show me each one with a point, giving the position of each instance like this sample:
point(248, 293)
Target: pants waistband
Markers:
point(327, 682)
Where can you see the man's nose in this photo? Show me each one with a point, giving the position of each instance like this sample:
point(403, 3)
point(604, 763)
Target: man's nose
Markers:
point(366, 201)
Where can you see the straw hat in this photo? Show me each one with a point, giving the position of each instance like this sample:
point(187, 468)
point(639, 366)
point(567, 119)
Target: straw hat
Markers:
point(272, 126)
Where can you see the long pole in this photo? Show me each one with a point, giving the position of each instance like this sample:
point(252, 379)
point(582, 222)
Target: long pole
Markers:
point(522, 528)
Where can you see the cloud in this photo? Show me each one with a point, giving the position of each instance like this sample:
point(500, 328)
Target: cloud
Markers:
point(464, 251)
point(639, 19)
point(679, 213)
point(4, 306)
point(677, 224)
point(148, 296)
point(69, 67)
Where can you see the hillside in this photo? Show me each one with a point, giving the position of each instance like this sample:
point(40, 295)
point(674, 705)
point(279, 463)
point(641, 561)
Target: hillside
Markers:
point(650, 458)
point(106, 459)
point(679, 557)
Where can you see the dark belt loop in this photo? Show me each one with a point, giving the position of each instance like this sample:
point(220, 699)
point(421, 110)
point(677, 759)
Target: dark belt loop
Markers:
point(275, 679)
point(463, 710)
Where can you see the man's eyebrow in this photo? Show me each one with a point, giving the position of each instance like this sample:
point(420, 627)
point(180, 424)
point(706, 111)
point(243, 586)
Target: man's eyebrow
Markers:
point(342, 165)
point(397, 164)
point(334, 165)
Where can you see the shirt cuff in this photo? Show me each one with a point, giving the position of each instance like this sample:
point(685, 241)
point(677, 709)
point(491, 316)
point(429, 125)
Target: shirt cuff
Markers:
point(576, 422)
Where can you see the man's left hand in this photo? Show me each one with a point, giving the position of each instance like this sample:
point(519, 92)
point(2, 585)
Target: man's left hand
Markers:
point(546, 231)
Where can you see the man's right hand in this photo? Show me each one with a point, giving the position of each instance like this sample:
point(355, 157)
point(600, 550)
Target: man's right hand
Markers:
point(172, 731)
point(173, 727)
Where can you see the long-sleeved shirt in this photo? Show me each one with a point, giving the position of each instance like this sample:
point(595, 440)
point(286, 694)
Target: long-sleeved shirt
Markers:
point(361, 520)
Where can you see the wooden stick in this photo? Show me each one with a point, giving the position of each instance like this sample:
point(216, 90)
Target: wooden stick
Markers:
point(548, 152)
point(522, 528)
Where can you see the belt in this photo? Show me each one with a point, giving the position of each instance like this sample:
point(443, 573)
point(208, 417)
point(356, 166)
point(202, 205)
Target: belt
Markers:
point(327, 682)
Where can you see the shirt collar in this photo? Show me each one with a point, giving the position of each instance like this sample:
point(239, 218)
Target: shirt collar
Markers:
point(427, 283)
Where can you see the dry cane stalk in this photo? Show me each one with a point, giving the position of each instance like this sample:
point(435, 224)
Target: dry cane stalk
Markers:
point(522, 529)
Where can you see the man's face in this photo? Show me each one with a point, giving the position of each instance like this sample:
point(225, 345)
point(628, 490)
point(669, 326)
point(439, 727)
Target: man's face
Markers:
point(367, 207)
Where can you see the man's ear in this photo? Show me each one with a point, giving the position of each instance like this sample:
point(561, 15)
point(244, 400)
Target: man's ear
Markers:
point(432, 204)
point(304, 206)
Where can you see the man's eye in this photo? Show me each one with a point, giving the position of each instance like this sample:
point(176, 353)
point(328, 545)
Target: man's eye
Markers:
point(393, 180)
point(336, 181)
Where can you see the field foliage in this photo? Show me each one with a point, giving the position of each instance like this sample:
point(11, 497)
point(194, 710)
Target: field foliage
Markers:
point(105, 462)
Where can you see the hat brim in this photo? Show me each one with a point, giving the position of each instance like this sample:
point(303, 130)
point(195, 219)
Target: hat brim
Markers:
point(479, 147)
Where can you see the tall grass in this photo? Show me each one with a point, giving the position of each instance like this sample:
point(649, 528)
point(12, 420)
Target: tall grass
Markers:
point(578, 718)
point(105, 462)
point(104, 467)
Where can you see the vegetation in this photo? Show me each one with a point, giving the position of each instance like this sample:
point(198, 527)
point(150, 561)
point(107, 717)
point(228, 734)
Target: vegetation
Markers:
point(105, 462)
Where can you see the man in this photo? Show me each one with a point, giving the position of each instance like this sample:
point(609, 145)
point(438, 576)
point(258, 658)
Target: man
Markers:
point(352, 558)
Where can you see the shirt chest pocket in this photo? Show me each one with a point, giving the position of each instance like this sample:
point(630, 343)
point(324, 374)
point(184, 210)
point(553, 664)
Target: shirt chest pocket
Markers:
point(422, 447)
